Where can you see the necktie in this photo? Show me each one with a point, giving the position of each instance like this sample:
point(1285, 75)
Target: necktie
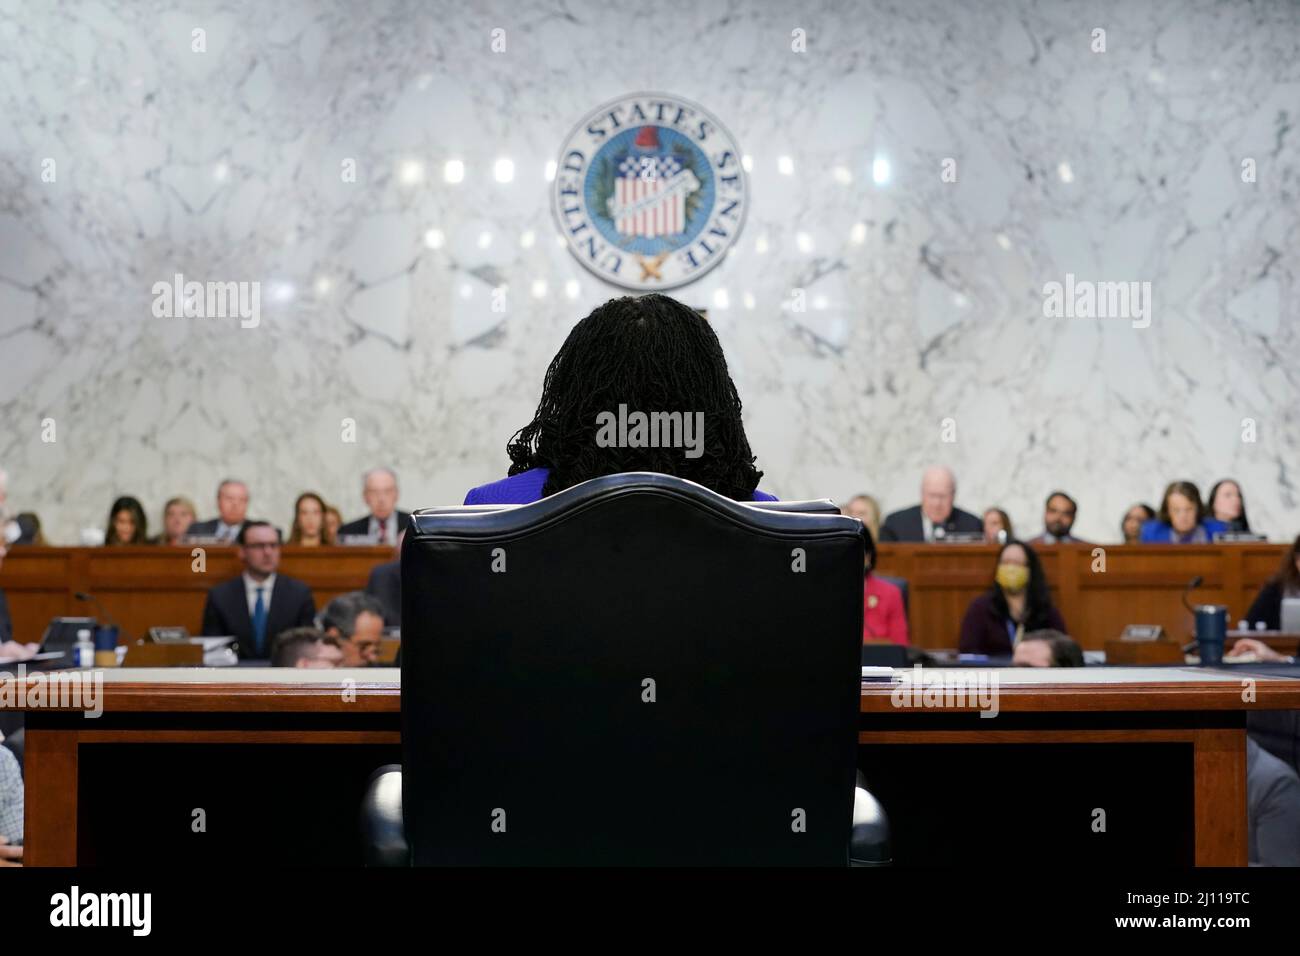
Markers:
point(259, 623)
point(383, 532)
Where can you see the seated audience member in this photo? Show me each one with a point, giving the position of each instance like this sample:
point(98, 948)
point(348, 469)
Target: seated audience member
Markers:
point(11, 531)
point(935, 516)
point(1182, 518)
point(22, 528)
point(866, 509)
point(883, 615)
point(11, 810)
point(126, 523)
point(309, 521)
point(306, 647)
point(385, 521)
point(997, 527)
point(1285, 583)
point(1227, 504)
point(1272, 809)
point(357, 620)
point(1058, 520)
point(178, 515)
point(333, 522)
point(29, 523)
point(232, 512)
point(1134, 519)
point(385, 586)
point(1047, 648)
point(1018, 602)
point(648, 354)
point(260, 603)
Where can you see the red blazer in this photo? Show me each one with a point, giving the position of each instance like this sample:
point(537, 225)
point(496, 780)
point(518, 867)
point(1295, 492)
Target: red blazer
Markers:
point(883, 617)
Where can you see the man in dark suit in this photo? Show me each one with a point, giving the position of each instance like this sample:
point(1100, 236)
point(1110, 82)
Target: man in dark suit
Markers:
point(385, 522)
point(259, 604)
point(936, 515)
point(1058, 521)
point(232, 512)
point(385, 585)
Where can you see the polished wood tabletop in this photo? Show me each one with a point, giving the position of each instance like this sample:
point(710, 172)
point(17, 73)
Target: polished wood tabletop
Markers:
point(378, 690)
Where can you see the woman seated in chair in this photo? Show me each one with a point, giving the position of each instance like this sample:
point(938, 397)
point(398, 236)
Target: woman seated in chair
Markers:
point(631, 371)
point(127, 523)
point(1018, 602)
point(884, 619)
point(1182, 518)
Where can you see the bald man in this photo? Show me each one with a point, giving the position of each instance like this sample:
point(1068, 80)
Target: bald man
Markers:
point(936, 516)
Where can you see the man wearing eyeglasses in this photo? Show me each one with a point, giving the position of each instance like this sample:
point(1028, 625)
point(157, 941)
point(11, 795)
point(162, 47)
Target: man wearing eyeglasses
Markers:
point(259, 604)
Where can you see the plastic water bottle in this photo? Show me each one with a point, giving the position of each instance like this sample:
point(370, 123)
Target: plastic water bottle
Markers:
point(85, 649)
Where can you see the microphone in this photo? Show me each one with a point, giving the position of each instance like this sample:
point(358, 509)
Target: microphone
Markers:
point(1192, 585)
point(84, 596)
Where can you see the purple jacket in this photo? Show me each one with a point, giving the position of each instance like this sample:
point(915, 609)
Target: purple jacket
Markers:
point(526, 487)
point(984, 630)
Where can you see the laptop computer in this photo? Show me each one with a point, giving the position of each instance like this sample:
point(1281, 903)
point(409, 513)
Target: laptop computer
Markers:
point(1290, 617)
point(61, 634)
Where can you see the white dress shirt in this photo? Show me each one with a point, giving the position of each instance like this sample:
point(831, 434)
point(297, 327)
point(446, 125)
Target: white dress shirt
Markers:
point(390, 528)
point(250, 592)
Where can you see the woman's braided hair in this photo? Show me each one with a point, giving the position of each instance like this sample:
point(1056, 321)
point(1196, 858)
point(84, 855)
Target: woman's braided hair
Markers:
point(652, 354)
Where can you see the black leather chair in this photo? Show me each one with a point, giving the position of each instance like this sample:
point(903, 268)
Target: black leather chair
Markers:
point(634, 671)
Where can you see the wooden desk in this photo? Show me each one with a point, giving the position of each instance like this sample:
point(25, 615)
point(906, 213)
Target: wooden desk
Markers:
point(95, 784)
point(145, 587)
point(1140, 584)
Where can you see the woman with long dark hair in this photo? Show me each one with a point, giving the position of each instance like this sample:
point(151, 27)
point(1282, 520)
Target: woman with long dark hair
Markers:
point(126, 522)
point(309, 526)
point(1226, 503)
point(1017, 602)
point(1285, 583)
point(647, 356)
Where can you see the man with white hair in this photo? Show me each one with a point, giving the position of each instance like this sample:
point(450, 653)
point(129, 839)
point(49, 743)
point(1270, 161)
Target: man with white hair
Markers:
point(385, 521)
point(232, 513)
point(936, 516)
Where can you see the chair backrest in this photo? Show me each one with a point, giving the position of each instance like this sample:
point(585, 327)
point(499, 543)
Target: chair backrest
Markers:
point(635, 670)
point(901, 584)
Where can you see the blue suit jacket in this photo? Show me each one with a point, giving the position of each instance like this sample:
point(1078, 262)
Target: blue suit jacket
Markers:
point(1157, 532)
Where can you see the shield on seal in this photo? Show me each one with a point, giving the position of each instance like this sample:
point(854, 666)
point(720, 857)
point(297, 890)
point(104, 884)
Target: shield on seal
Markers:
point(650, 190)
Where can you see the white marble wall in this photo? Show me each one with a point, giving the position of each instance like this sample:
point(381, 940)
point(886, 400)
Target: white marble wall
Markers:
point(926, 296)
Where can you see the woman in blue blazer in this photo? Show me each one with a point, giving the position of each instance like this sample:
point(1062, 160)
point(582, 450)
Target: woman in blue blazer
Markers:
point(1181, 519)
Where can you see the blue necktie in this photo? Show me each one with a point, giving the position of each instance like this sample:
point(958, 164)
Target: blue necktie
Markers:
point(259, 623)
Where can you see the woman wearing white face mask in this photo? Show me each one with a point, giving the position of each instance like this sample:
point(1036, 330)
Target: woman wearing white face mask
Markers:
point(1017, 602)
